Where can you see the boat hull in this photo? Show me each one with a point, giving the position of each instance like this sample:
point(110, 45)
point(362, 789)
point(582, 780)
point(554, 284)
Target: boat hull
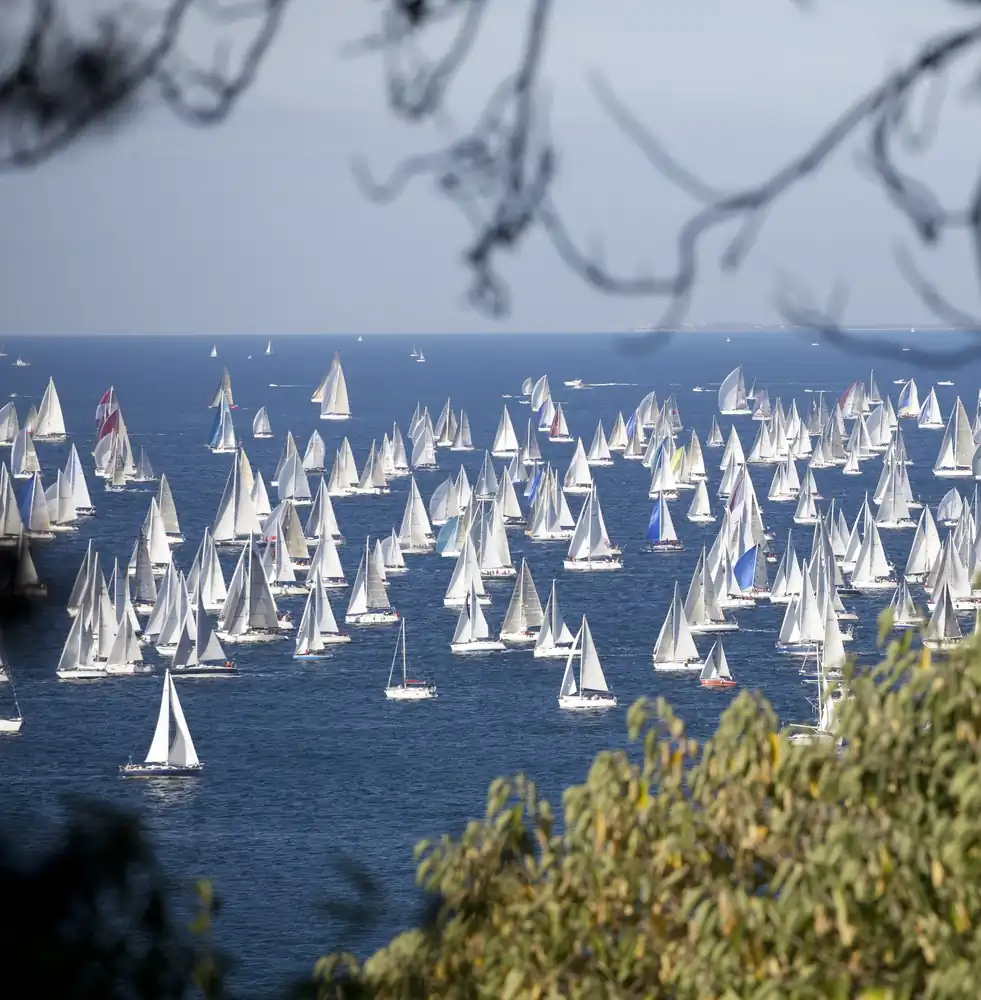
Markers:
point(418, 693)
point(592, 565)
point(249, 637)
point(335, 416)
point(158, 771)
point(679, 666)
point(479, 646)
point(81, 674)
point(701, 518)
point(718, 684)
point(576, 703)
point(11, 726)
point(373, 618)
point(518, 638)
point(654, 547)
point(941, 643)
point(322, 654)
point(726, 626)
point(553, 653)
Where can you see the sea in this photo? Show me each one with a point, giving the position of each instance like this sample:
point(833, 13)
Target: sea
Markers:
point(308, 769)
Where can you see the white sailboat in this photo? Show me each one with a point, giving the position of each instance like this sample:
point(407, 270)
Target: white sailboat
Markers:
point(214, 351)
point(408, 690)
point(554, 639)
point(472, 633)
point(675, 648)
point(268, 351)
point(50, 424)
point(166, 758)
point(590, 548)
point(10, 723)
point(716, 673)
point(249, 613)
point(592, 690)
point(332, 393)
point(524, 616)
point(198, 652)
point(369, 603)
point(261, 427)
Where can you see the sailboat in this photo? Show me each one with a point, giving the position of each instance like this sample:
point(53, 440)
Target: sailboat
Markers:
point(420, 358)
point(9, 724)
point(269, 349)
point(524, 616)
point(249, 613)
point(715, 673)
point(260, 424)
point(675, 648)
point(554, 640)
point(166, 759)
point(590, 548)
point(472, 633)
point(592, 690)
point(661, 535)
point(198, 652)
point(369, 603)
point(408, 690)
point(332, 393)
point(214, 350)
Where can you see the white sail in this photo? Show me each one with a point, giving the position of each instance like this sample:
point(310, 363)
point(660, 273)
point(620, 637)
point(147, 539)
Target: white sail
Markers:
point(50, 419)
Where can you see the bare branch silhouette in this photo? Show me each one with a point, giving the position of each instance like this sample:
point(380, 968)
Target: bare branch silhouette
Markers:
point(60, 82)
point(500, 172)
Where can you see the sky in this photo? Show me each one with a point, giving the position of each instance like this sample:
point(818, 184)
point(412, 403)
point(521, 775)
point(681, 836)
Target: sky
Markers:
point(257, 226)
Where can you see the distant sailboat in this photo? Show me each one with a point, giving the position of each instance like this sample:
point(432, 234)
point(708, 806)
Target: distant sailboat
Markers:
point(332, 393)
point(420, 358)
point(9, 724)
point(269, 349)
point(214, 350)
point(716, 672)
point(260, 424)
point(166, 758)
point(408, 690)
point(472, 633)
point(593, 690)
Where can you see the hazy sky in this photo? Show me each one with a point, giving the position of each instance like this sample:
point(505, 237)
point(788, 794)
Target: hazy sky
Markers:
point(257, 227)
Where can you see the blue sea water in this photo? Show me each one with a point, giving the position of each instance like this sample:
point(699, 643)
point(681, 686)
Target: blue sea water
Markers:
point(308, 762)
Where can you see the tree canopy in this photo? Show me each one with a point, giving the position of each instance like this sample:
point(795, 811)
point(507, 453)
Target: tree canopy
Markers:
point(747, 867)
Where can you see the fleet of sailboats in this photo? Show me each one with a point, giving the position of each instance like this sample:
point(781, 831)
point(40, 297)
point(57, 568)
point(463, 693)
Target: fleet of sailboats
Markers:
point(151, 611)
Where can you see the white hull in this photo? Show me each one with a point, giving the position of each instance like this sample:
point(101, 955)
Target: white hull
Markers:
point(335, 416)
point(896, 525)
point(414, 693)
point(798, 648)
point(418, 550)
point(873, 585)
point(175, 539)
point(715, 627)
point(589, 703)
point(592, 565)
point(81, 674)
point(561, 439)
point(158, 771)
point(599, 462)
point(128, 669)
point(499, 573)
point(941, 643)
point(667, 494)
point(334, 638)
point(510, 453)
point(166, 649)
point(953, 473)
point(518, 638)
point(249, 637)
point(10, 725)
point(553, 653)
point(478, 646)
point(373, 618)
point(578, 491)
point(679, 666)
point(701, 518)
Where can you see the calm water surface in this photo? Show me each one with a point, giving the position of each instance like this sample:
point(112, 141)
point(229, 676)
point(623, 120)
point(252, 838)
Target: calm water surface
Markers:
point(308, 761)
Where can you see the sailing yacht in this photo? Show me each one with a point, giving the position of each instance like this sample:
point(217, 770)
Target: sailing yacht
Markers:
point(715, 673)
point(675, 648)
point(260, 424)
point(214, 351)
point(9, 724)
point(369, 603)
point(590, 548)
point(249, 613)
point(268, 349)
point(592, 690)
point(661, 535)
point(166, 758)
point(408, 690)
point(472, 633)
point(554, 640)
point(524, 616)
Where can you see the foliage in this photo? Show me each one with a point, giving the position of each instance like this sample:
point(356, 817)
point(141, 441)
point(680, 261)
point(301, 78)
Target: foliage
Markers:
point(747, 867)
